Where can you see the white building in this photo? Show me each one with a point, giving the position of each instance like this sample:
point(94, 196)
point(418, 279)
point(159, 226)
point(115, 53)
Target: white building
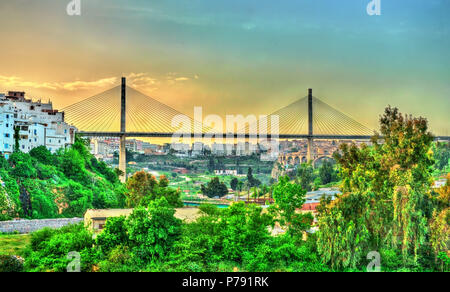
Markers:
point(222, 149)
point(197, 149)
point(225, 172)
point(39, 124)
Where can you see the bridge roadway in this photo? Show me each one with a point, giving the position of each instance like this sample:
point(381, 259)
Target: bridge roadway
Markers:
point(233, 135)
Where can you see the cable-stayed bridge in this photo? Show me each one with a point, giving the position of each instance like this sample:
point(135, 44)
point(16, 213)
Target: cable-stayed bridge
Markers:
point(125, 112)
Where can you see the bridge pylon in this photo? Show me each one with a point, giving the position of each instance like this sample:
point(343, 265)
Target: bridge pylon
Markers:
point(123, 128)
point(310, 155)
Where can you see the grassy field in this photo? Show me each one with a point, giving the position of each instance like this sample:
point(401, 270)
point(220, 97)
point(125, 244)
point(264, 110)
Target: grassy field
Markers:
point(13, 244)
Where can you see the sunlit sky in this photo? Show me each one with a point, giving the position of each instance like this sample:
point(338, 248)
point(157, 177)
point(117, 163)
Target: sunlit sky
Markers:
point(235, 56)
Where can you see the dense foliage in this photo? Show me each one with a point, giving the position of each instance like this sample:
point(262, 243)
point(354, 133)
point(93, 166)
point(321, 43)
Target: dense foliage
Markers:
point(235, 238)
point(387, 203)
point(215, 188)
point(40, 184)
point(312, 178)
point(144, 188)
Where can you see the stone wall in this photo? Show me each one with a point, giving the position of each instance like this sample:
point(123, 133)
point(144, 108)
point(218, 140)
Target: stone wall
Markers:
point(27, 226)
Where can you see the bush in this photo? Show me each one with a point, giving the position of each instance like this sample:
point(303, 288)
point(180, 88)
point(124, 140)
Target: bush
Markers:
point(79, 199)
point(10, 263)
point(152, 233)
point(113, 235)
point(22, 165)
point(43, 155)
point(118, 260)
point(50, 248)
point(40, 237)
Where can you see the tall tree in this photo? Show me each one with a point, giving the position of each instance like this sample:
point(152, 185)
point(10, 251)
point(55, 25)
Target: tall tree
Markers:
point(234, 183)
point(327, 173)
point(306, 175)
point(288, 198)
point(442, 155)
point(386, 188)
point(152, 233)
point(215, 188)
point(144, 188)
point(252, 181)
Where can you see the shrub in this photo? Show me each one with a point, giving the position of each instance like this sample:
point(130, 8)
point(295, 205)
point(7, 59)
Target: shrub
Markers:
point(113, 235)
point(49, 249)
point(10, 263)
point(152, 233)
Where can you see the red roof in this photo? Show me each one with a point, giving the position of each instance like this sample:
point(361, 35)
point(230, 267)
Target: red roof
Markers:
point(309, 206)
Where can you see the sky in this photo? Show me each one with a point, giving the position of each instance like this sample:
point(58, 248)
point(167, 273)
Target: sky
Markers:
point(235, 56)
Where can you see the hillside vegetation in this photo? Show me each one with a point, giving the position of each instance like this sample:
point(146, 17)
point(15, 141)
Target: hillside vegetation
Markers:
point(40, 184)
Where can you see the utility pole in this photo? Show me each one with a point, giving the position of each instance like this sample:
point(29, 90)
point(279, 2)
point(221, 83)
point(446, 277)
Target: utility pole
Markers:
point(310, 127)
point(123, 129)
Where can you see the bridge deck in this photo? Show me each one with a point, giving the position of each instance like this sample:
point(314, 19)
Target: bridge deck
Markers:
point(233, 135)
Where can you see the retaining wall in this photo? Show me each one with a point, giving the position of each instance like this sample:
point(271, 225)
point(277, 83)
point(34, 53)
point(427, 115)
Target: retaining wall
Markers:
point(27, 226)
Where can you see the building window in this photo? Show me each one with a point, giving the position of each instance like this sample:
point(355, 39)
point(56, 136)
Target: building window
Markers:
point(23, 146)
point(7, 135)
point(7, 116)
point(35, 132)
point(6, 146)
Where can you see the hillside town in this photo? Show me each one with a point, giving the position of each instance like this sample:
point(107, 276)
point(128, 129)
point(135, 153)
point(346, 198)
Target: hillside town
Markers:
point(37, 123)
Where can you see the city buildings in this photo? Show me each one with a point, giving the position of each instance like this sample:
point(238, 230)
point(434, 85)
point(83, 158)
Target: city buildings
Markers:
point(38, 124)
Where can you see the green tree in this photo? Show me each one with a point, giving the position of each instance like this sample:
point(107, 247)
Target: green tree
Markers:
point(343, 237)
point(22, 166)
point(288, 198)
point(442, 154)
point(152, 233)
point(43, 155)
point(215, 188)
point(49, 249)
point(234, 183)
point(440, 221)
point(78, 199)
point(144, 188)
point(72, 164)
point(114, 234)
point(242, 229)
point(327, 173)
point(386, 190)
point(252, 181)
point(306, 175)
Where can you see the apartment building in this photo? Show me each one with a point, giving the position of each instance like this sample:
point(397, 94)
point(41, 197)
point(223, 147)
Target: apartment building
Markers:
point(38, 123)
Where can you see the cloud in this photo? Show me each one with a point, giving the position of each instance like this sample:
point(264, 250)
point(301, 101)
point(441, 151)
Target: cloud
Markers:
point(141, 81)
point(81, 85)
point(17, 82)
point(182, 79)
